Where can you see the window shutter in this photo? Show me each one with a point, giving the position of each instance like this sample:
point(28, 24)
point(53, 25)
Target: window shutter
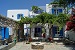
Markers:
point(2, 33)
point(52, 11)
point(19, 16)
point(61, 32)
point(60, 10)
point(6, 33)
point(54, 30)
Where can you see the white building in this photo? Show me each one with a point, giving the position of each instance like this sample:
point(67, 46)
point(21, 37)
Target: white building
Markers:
point(17, 14)
point(32, 14)
point(54, 9)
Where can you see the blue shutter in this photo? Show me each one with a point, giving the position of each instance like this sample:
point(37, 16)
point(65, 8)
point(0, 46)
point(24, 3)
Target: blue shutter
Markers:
point(2, 32)
point(54, 30)
point(60, 10)
point(19, 15)
point(61, 32)
point(52, 11)
point(6, 33)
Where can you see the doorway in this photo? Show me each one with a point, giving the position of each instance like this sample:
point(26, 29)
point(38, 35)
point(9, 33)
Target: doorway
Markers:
point(38, 32)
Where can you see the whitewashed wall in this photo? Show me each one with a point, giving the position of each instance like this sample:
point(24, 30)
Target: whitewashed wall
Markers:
point(47, 30)
point(32, 32)
point(10, 31)
point(31, 13)
point(26, 28)
point(69, 34)
point(48, 8)
point(25, 12)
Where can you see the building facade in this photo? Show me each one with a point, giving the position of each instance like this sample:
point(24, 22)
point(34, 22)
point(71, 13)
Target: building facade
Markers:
point(17, 14)
point(8, 29)
point(36, 31)
point(54, 9)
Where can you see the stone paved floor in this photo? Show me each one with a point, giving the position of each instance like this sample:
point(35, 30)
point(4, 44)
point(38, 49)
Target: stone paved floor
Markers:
point(47, 46)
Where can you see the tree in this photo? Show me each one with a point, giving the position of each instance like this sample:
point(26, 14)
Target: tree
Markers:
point(44, 18)
point(55, 2)
point(65, 2)
point(36, 9)
point(72, 2)
point(61, 20)
point(35, 20)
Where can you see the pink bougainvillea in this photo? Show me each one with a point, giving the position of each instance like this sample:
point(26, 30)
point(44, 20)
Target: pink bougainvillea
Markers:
point(72, 17)
point(71, 24)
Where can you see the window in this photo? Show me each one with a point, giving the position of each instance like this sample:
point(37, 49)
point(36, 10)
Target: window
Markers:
point(37, 32)
point(12, 15)
point(52, 11)
point(54, 6)
point(19, 16)
point(56, 11)
point(60, 10)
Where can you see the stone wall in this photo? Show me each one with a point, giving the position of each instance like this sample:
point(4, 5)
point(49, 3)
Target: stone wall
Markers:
point(7, 47)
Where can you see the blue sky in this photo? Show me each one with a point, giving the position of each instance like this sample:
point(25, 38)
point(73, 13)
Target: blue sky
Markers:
point(20, 4)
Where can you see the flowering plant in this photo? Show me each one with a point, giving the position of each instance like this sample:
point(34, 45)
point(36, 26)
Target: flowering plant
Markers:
point(70, 25)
